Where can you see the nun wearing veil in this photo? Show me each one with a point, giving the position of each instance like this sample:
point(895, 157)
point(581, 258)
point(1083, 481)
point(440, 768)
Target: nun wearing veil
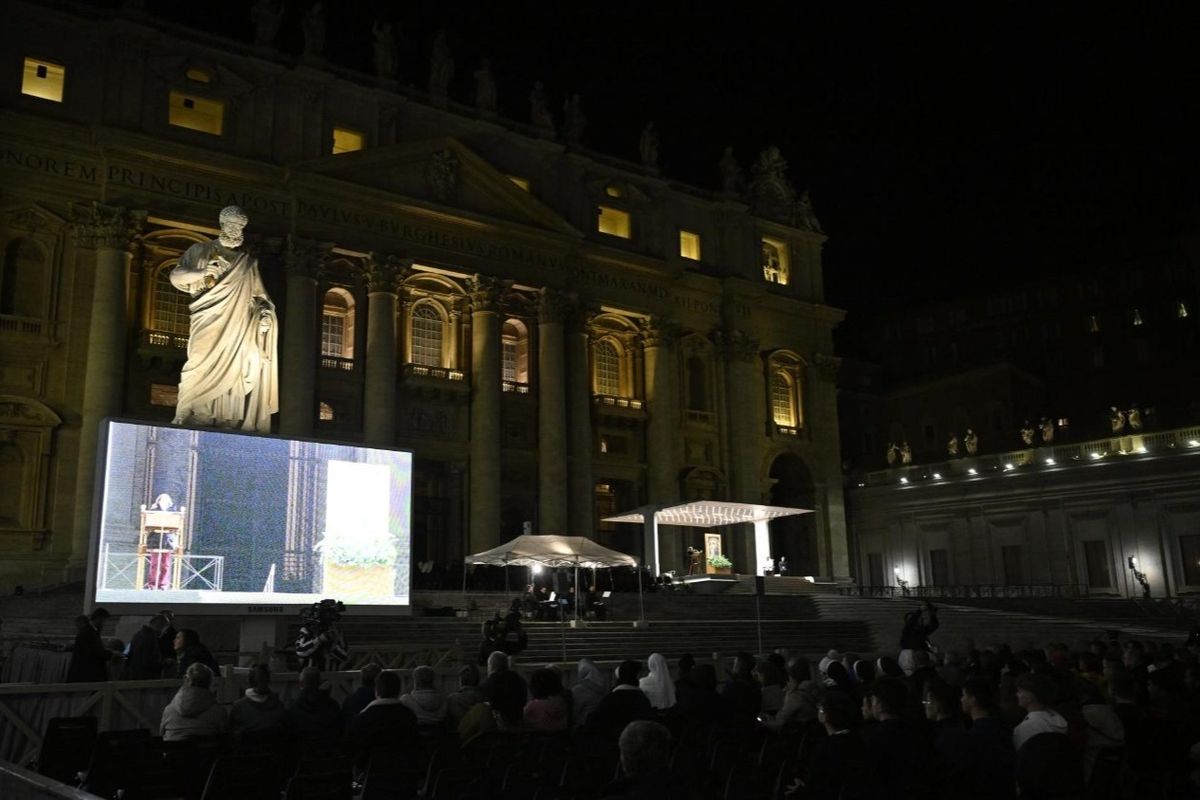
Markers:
point(658, 685)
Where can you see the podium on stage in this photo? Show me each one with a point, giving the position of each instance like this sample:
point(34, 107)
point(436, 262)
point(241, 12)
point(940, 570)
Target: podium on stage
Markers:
point(162, 541)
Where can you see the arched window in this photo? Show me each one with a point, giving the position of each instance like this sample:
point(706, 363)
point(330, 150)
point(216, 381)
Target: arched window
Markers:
point(23, 280)
point(783, 399)
point(697, 377)
point(169, 310)
point(337, 324)
point(515, 343)
point(427, 333)
point(607, 368)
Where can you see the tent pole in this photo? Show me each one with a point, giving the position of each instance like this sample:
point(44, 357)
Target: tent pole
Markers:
point(641, 602)
point(464, 578)
point(577, 590)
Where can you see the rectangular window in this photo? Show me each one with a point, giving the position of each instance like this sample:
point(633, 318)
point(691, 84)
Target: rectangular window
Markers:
point(606, 506)
point(939, 567)
point(510, 360)
point(522, 183)
point(775, 265)
point(346, 140)
point(333, 335)
point(43, 79)
point(875, 569)
point(196, 113)
point(689, 245)
point(1095, 556)
point(614, 222)
point(1189, 556)
point(1010, 557)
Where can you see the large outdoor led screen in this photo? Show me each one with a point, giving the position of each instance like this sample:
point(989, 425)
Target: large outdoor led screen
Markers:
point(247, 523)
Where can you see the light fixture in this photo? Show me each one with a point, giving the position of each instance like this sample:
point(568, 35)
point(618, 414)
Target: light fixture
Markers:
point(1008, 467)
point(937, 476)
point(972, 471)
point(1193, 443)
point(1096, 456)
point(904, 480)
point(1049, 462)
point(896, 570)
point(537, 569)
point(861, 485)
point(1133, 562)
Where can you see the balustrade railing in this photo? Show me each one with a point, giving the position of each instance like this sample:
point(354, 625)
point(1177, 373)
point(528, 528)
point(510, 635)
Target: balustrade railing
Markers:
point(337, 363)
point(979, 590)
point(436, 373)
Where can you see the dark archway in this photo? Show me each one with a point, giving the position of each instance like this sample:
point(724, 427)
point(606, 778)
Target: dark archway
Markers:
point(794, 537)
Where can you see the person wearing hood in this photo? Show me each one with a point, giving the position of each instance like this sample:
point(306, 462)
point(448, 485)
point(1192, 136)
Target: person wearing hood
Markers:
point(258, 715)
point(591, 684)
point(658, 686)
point(1035, 694)
point(194, 711)
point(427, 703)
point(549, 710)
point(315, 716)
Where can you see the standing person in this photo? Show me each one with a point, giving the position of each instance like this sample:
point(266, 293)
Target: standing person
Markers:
point(89, 656)
point(919, 625)
point(145, 660)
point(189, 650)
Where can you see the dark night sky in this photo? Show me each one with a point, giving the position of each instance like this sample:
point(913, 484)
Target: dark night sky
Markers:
point(940, 144)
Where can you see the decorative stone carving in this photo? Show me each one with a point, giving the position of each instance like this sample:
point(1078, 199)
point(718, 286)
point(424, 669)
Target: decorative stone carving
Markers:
point(658, 332)
point(806, 218)
point(905, 453)
point(827, 367)
point(387, 56)
point(735, 345)
point(893, 454)
point(305, 257)
point(231, 378)
point(772, 196)
point(441, 67)
point(443, 174)
point(971, 442)
point(952, 446)
point(553, 305)
point(99, 226)
point(313, 25)
point(539, 109)
point(34, 219)
point(485, 88)
point(1027, 434)
point(266, 15)
point(1047, 429)
point(384, 272)
point(648, 146)
point(486, 292)
point(574, 122)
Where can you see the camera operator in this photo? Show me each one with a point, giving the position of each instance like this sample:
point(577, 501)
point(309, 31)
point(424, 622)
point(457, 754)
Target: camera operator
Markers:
point(919, 625)
point(320, 643)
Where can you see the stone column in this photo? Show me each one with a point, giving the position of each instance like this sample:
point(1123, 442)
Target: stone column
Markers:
point(745, 424)
point(111, 233)
point(383, 275)
point(298, 376)
point(552, 415)
point(484, 494)
point(581, 500)
point(658, 337)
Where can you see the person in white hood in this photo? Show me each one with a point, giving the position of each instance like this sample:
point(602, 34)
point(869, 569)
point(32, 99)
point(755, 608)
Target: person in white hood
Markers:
point(428, 703)
point(658, 685)
point(194, 711)
point(1035, 693)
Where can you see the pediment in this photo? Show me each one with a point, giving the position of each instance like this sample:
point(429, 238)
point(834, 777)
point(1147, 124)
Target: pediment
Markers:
point(443, 172)
point(32, 217)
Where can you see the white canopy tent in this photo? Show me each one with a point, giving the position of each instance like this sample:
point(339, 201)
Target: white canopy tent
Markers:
point(555, 551)
point(708, 514)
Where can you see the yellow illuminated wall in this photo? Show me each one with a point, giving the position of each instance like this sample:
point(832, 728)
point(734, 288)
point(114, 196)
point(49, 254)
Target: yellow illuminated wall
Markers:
point(346, 140)
point(43, 79)
point(197, 113)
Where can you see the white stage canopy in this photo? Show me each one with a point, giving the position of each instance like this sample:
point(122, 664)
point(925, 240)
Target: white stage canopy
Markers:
point(709, 514)
point(552, 550)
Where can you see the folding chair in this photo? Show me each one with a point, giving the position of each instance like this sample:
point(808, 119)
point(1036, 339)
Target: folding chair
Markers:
point(67, 748)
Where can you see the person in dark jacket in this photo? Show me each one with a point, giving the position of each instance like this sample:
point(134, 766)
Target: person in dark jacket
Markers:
point(898, 753)
point(626, 703)
point(742, 694)
point(988, 770)
point(919, 625)
point(838, 765)
point(645, 757)
point(189, 650)
point(258, 718)
point(697, 702)
point(384, 723)
point(943, 704)
point(89, 656)
point(316, 720)
point(145, 660)
point(363, 695)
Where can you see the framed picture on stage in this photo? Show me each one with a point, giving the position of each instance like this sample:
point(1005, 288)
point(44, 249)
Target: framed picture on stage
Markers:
point(712, 544)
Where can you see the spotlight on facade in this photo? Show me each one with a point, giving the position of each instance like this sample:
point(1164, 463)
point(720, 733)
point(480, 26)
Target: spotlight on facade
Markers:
point(937, 476)
point(904, 480)
point(1097, 456)
point(1193, 442)
point(972, 471)
point(1049, 462)
point(1009, 467)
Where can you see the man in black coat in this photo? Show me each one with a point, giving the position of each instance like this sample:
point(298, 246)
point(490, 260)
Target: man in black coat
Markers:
point(315, 717)
point(145, 661)
point(89, 656)
point(898, 751)
point(742, 694)
point(384, 723)
point(624, 704)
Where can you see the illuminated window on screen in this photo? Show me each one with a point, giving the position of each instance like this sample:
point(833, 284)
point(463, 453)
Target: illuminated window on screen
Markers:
point(43, 79)
point(196, 113)
point(613, 221)
point(346, 141)
point(689, 245)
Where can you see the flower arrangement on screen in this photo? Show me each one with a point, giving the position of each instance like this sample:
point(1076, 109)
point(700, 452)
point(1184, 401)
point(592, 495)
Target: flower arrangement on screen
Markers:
point(719, 561)
point(357, 549)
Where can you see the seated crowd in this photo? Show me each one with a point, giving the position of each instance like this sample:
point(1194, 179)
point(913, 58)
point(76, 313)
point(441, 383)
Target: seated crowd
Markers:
point(1111, 721)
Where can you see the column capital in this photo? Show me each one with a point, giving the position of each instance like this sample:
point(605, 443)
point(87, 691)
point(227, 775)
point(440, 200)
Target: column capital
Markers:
point(658, 331)
point(96, 225)
point(486, 292)
point(305, 257)
point(384, 272)
point(554, 305)
point(735, 345)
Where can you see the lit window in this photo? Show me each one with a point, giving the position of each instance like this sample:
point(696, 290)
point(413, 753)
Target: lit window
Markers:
point(522, 183)
point(325, 412)
point(614, 222)
point(346, 141)
point(614, 191)
point(608, 369)
point(1093, 324)
point(1063, 422)
point(689, 245)
point(337, 324)
point(426, 336)
point(198, 75)
point(775, 261)
point(43, 79)
point(169, 312)
point(783, 404)
point(1137, 317)
point(514, 352)
point(1181, 310)
point(196, 113)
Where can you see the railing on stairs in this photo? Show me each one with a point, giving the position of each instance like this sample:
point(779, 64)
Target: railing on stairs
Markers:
point(974, 590)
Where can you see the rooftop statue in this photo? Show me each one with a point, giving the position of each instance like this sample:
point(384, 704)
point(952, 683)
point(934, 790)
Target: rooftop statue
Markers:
point(649, 145)
point(313, 25)
point(230, 379)
point(539, 108)
point(441, 67)
point(266, 15)
point(574, 122)
point(387, 56)
point(805, 216)
point(732, 178)
point(485, 88)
